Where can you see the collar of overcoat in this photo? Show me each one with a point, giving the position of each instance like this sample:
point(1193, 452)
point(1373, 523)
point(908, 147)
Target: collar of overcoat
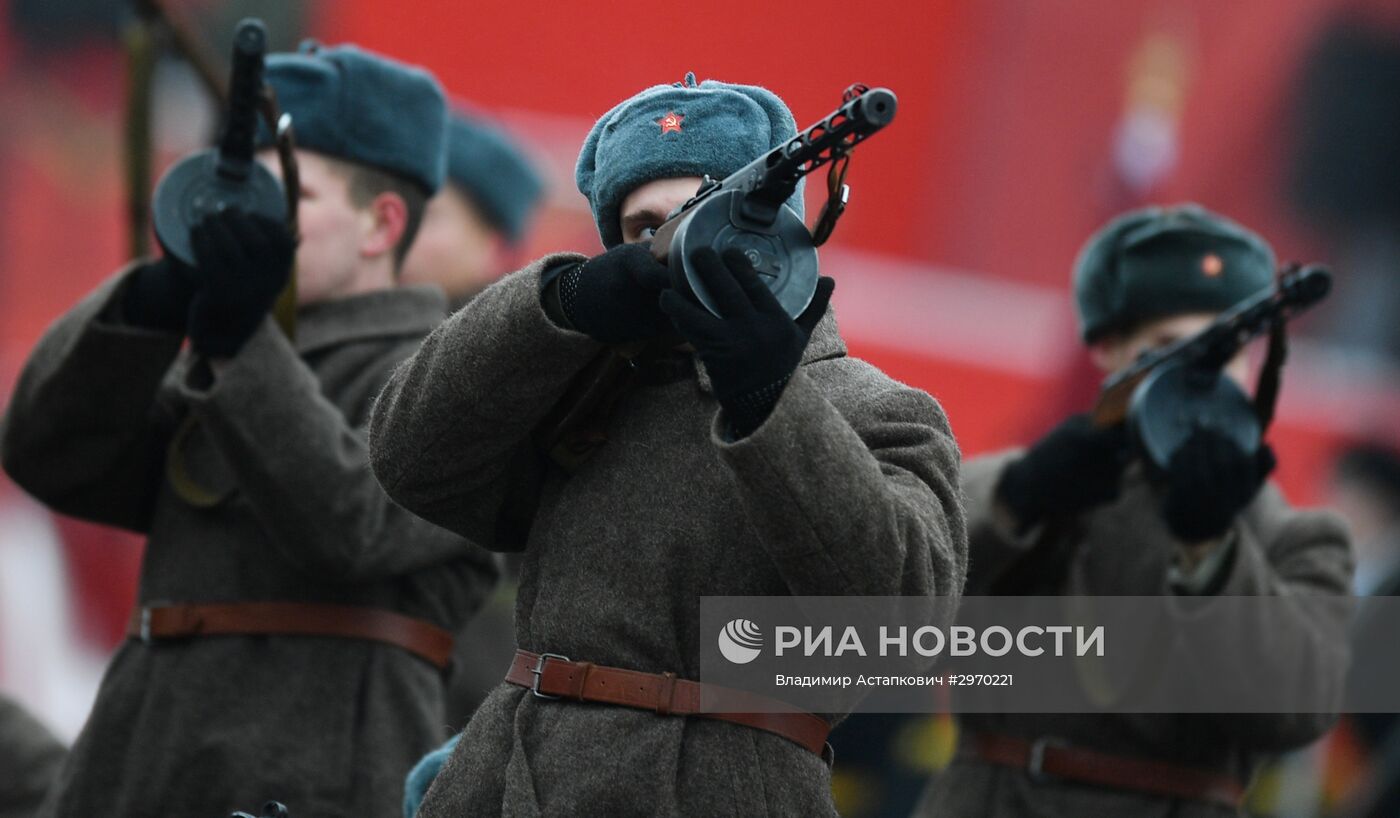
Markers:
point(400, 312)
point(826, 342)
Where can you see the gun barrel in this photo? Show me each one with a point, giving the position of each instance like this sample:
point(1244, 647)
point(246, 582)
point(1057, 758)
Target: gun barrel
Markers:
point(1216, 344)
point(773, 177)
point(1302, 289)
point(875, 107)
point(768, 181)
point(244, 92)
point(834, 136)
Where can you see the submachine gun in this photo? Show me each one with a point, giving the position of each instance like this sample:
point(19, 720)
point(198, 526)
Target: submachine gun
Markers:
point(1168, 393)
point(226, 176)
point(218, 178)
point(748, 209)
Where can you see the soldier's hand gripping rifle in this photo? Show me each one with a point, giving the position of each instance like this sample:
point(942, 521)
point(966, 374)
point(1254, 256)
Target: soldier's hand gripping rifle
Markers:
point(1168, 393)
point(748, 209)
point(226, 176)
point(219, 178)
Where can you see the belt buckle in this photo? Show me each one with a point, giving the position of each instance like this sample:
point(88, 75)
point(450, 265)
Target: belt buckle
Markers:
point(145, 634)
point(1035, 759)
point(538, 670)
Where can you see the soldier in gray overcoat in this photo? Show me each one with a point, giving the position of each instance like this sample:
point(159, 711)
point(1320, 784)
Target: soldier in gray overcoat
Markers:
point(293, 622)
point(483, 211)
point(487, 202)
point(1076, 515)
point(759, 460)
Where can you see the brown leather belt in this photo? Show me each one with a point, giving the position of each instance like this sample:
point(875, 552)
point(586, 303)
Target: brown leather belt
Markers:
point(551, 676)
point(423, 639)
point(1046, 759)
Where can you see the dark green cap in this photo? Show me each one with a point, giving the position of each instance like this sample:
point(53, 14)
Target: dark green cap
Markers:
point(1161, 261)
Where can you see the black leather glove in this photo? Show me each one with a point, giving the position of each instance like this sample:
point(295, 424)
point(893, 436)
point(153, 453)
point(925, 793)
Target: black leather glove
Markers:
point(753, 347)
point(158, 295)
point(613, 297)
point(243, 261)
point(1073, 468)
point(1208, 482)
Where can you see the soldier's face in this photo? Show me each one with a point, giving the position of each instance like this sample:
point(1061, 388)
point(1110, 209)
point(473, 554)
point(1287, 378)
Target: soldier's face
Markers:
point(647, 206)
point(1116, 352)
point(456, 248)
point(328, 257)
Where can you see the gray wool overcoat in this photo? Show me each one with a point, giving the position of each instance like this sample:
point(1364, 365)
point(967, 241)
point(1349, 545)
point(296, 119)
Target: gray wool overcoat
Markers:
point(203, 726)
point(30, 756)
point(1124, 549)
point(849, 487)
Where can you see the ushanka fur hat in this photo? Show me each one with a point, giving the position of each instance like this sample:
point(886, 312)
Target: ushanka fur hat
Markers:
point(351, 104)
point(485, 162)
point(1159, 261)
point(683, 129)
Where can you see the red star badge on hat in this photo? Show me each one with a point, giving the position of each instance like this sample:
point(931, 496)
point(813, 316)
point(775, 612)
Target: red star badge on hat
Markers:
point(670, 122)
point(1212, 265)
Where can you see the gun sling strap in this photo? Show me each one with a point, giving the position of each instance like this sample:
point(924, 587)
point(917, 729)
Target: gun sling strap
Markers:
point(1051, 759)
point(551, 676)
point(423, 639)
